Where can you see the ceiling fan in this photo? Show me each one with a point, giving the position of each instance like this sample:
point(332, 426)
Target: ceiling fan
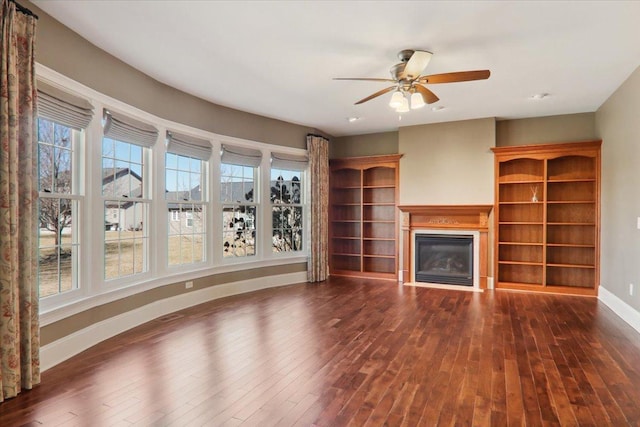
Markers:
point(408, 83)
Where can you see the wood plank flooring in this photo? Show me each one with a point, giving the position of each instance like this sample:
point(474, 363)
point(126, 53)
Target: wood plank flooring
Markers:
point(353, 352)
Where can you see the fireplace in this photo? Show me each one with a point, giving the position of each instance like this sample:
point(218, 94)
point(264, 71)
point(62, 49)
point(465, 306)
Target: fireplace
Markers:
point(452, 221)
point(444, 259)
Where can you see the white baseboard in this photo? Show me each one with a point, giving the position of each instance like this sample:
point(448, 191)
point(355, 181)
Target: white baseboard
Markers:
point(621, 308)
point(64, 348)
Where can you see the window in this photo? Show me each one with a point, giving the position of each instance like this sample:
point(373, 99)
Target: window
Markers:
point(61, 121)
point(125, 193)
point(237, 185)
point(184, 179)
point(286, 196)
point(286, 210)
point(238, 194)
point(59, 208)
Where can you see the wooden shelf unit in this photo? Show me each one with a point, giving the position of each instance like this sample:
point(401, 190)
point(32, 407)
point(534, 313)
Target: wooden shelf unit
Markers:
point(363, 213)
point(550, 243)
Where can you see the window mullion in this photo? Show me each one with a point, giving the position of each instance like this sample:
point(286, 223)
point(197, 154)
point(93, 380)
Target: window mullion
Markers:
point(157, 232)
point(94, 226)
point(214, 234)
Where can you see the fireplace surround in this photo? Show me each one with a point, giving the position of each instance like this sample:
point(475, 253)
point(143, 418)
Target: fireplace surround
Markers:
point(445, 219)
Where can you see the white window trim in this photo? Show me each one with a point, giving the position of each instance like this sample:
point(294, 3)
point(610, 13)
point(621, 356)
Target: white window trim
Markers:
point(94, 290)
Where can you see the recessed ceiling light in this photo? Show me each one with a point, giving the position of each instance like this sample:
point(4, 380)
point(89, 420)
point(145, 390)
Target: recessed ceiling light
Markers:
point(539, 96)
point(437, 108)
point(353, 119)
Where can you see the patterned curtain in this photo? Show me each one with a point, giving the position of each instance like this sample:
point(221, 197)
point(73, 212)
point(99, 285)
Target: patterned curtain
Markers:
point(19, 325)
point(318, 265)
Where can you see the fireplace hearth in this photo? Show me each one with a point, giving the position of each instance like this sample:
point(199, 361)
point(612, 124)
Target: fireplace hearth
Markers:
point(444, 259)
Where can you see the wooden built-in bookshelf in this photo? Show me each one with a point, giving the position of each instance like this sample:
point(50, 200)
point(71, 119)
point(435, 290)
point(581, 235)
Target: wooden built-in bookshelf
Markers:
point(547, 217)
point(363, 214)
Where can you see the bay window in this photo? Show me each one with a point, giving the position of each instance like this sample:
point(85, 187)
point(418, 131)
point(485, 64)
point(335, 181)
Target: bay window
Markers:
point(118, 212)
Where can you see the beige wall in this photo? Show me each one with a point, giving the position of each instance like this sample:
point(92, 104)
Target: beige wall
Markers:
point(617, 125)
point(545, 130)
point(374, 144)
point(447, 163)
point(64, 51)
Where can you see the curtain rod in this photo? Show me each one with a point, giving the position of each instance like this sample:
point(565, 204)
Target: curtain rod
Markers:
point(23, 9)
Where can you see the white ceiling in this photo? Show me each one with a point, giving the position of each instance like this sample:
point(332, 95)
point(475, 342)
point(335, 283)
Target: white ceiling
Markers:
point(278, 58)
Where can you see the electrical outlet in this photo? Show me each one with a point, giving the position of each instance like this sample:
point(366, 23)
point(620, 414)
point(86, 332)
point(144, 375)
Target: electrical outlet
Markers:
point(631, 289)
point(188, 285)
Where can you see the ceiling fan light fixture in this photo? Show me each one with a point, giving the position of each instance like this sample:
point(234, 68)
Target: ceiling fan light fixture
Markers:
point(396, 99)
point(404, 107)
point(417, 101)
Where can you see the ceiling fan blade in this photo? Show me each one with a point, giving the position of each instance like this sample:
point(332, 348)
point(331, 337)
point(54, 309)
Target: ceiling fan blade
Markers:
point(461, 76)
point(416, 64)
point(364, 79)
point(378, 93)
point(428, 96)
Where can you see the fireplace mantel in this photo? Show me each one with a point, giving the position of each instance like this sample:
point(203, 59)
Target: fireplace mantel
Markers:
point(445, 217)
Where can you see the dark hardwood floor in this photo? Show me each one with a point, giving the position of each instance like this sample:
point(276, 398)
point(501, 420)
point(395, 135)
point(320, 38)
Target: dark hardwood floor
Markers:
point(353, 352)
